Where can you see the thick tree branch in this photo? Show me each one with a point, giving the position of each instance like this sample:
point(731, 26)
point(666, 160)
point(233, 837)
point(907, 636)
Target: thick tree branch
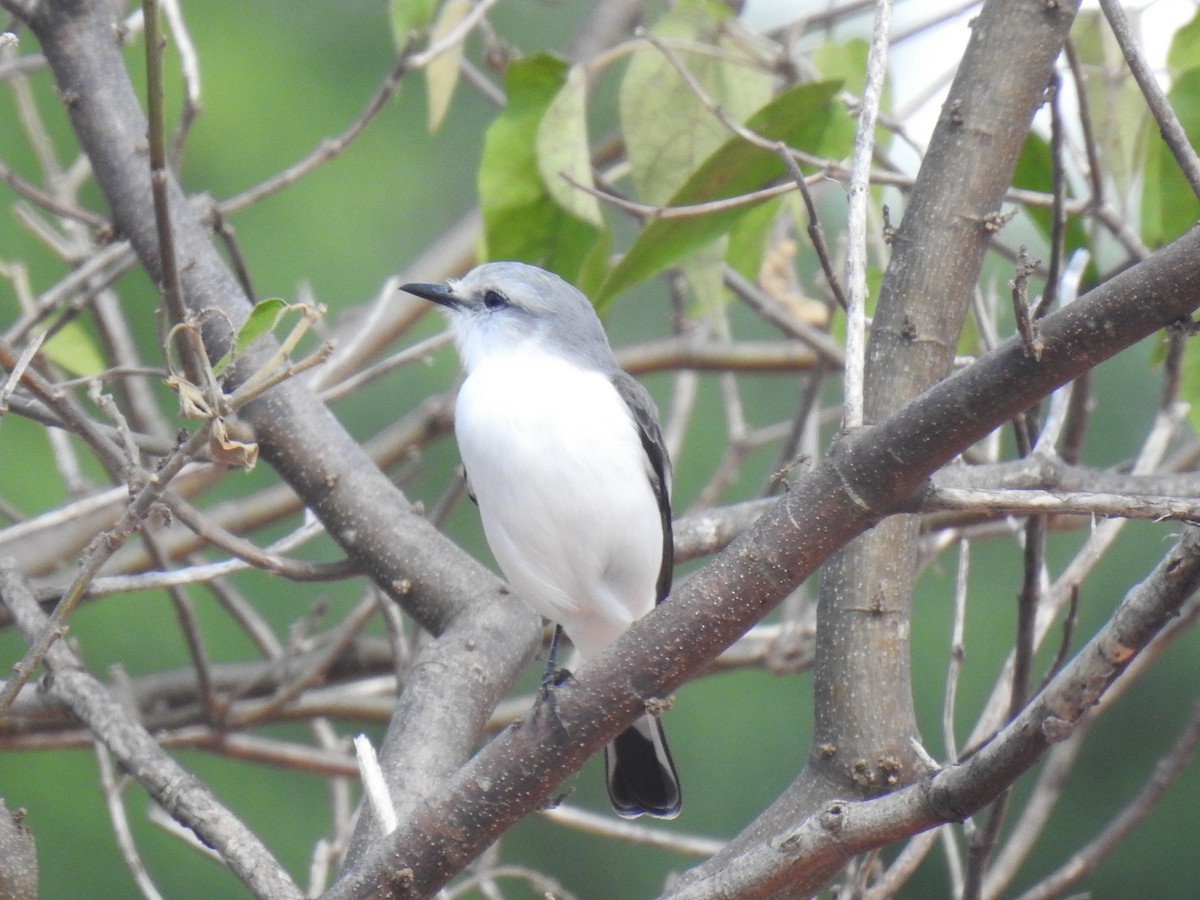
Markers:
point(865, 740)
point(489, 635)
point(448, 817)
point(801, 858)
point(298, 435)
point(18, 855)
point(873, 472)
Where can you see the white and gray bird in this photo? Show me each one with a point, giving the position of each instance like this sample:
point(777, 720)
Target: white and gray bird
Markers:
point(565, 459)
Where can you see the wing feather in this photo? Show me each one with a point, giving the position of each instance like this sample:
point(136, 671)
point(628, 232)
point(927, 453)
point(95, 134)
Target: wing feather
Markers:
point(658, 465)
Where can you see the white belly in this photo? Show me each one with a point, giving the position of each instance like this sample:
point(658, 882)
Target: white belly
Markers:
point(564, 492)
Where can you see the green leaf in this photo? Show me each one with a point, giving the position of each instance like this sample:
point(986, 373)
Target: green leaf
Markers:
point(845, 61)
point(407, 17)
point(75, 350)
point(702, 272)
point(441, 75)
point(593, 269)
point(262, 320)
point(521, 220)
point(1169, 208)
point(1189, 382)
point(1121, 123)
point(667, 129)
point(562, 150)
point(1035, 172)
point(1184, 52)
point(516, 217)
point(748, 238)
point(799, 116)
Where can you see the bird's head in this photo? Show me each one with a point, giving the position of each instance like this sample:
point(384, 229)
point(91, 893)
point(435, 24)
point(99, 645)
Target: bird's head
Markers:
point(503, 307)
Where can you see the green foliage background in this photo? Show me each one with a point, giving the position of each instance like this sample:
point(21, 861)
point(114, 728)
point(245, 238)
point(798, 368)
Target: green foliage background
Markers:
point(278, 77)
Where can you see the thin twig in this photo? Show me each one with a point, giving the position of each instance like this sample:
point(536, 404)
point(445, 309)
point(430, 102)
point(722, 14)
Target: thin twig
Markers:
point(958, 650)
point(801, 442)
point(1028, 601)
point(651, 212)
point(857, 190)
point(782, 318)
point(243, 613)
point(120, 824)
point(97, 272)
point(816, 234)
point(191, 347)
point(690, 351)
point(189, 67)
point(1095, 172)
point(1028, 829)
point(1017, 501)
point(201, 573)
point(49, 202)
point(101, 550)
point(616, 829)
point(335, 146)
point(249, 552)
point(17, 370)
point(327, 149)
point(188, 800)
point(185, 614)
point(1086, 860)
point(114, 459)
point(1064, 645)
point(1058, 220)
point(1165, 426)
point(540, 883)
point(887, 886)
point(418, 352)
point(1176, 339)
point(316, 671)
point(237, 260)
point(1026, 325)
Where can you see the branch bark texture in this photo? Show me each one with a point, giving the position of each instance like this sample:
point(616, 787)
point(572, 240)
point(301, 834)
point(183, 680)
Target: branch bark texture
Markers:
point(874, 471)
point(796, 862)
point(488, 635)
point(179, 792)
point(865, 738)
point(450, 812)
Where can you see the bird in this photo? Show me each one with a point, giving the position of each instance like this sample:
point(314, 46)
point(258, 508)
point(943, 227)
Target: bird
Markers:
point(566, 462)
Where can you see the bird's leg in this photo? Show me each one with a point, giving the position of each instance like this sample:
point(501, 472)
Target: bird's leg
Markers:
point(552, 678)
point(553, 675)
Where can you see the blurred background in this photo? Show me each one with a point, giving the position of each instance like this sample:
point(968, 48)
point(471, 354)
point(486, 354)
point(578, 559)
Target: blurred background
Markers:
point(278, 77)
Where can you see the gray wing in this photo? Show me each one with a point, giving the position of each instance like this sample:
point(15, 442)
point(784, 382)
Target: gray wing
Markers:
point(645, 418)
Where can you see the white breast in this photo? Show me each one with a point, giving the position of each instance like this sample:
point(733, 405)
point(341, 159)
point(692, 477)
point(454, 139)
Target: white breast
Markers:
point(564, 491)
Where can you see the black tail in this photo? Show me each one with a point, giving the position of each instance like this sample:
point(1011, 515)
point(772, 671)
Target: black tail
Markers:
point(641, 776)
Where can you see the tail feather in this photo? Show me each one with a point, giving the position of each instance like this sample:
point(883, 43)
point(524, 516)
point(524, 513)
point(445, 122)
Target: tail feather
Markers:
point(641, 775)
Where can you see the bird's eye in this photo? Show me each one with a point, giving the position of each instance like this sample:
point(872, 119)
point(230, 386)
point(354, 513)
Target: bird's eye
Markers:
point(494, 300)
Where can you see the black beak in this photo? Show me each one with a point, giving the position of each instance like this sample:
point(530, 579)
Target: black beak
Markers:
point(438, 293)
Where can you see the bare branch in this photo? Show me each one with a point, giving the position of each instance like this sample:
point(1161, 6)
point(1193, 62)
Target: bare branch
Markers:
point(184, 796)
point(333, 147)
point(116, 814)
point(1170, 767)
point(1003, 502)
point(822, 841)
point(820, 513)
point(856, 226)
